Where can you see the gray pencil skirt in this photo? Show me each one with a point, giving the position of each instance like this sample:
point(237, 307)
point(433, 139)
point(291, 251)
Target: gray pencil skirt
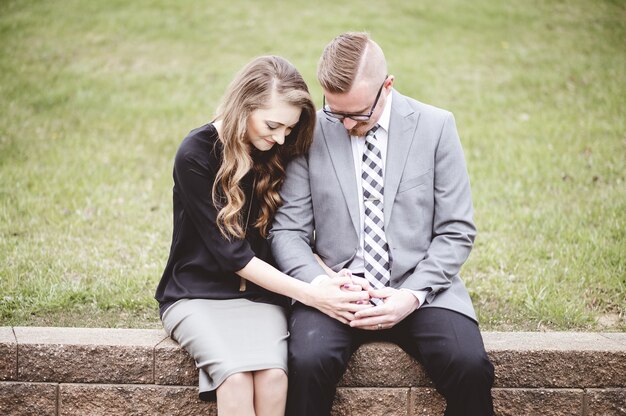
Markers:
point(230, 336)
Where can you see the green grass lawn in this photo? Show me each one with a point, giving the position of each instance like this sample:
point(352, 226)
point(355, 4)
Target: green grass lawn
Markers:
point(96, 96)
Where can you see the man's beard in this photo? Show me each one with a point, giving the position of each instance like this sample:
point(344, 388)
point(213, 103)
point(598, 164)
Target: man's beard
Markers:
point(360, 129)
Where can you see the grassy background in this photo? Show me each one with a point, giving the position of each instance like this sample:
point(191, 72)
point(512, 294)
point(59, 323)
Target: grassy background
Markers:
point(96, 96)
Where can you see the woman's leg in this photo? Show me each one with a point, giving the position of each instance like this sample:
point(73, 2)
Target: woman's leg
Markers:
point(235, 396)
point(270, 392)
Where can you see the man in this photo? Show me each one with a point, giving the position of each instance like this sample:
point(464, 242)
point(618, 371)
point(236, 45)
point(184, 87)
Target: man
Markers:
point(383, 192)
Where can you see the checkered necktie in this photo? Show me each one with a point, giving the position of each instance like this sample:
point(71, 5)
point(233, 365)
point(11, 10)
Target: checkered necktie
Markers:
point(375, 250)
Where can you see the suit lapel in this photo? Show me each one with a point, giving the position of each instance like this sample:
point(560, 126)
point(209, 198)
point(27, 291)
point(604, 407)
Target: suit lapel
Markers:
point(340, 151)
point(402, 125)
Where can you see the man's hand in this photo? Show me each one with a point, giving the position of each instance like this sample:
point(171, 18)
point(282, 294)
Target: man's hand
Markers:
point(339, 298)
point(397, 305)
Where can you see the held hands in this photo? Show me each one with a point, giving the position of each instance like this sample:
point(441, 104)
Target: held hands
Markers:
point(387, 315)
point(351, 300)
point(339, 297)
point(396, 305)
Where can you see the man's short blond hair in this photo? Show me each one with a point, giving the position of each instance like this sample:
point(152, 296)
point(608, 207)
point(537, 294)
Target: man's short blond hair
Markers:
point(349, 56)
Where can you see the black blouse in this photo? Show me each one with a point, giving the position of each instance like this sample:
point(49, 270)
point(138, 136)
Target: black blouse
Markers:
point(202, 263)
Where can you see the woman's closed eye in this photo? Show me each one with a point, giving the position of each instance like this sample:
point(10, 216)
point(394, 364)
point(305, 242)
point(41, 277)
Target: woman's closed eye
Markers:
point(275, 126)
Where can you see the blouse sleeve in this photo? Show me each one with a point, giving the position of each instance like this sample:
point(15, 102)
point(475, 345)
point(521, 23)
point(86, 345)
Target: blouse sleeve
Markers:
point(194, 176)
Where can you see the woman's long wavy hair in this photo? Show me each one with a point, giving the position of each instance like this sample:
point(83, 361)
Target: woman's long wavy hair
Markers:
point(252, 89)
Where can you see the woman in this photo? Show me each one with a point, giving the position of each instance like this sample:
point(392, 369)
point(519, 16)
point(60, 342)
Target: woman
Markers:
point(219, 296)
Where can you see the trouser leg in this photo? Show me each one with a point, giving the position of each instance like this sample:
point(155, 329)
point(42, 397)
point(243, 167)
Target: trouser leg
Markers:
point(450, 347)
point(319, 350)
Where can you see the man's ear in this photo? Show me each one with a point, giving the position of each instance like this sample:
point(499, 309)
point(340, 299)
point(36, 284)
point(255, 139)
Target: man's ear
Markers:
point(389, 82)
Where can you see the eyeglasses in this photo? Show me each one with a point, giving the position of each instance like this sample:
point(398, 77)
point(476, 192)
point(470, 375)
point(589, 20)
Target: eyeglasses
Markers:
point(355, 117)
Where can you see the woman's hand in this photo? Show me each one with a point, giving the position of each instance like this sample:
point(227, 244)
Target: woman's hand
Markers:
point(339, 297)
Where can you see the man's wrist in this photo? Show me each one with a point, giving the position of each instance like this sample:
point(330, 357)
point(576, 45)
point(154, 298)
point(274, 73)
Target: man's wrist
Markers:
point(420, 295)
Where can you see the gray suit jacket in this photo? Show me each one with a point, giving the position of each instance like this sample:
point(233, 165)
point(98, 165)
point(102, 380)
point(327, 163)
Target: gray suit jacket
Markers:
point(427, 205)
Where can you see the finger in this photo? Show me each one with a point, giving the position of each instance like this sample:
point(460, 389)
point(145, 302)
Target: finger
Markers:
point(342, 305)
point(378, 327)
point(368, 323)
point(362, 282)
point(345, 272)
point(376, 311)
point(355, 307)
point(356, 300)
point(347, 316)
point(343, 316)
point(379, 293)
point(352, 287)
point(340, 318)
point(341, 280)
point(350, 296)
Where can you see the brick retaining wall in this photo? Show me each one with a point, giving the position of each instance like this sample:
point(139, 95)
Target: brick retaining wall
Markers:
point(87, 371)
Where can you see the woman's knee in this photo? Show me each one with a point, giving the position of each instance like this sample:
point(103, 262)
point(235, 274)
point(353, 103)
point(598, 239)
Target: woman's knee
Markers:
point(238, 381)
point(272, 376)
point(236, 394)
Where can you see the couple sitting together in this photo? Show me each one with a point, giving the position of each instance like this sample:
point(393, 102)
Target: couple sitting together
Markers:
point(298, 236)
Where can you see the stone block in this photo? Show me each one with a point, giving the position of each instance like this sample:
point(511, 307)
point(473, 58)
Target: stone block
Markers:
point(370, 402)
point(619, 337)
point(426, 402)
point(28, 399)
point(553, 402)
point(86, 355)
point(556, 359)
point(8, 354)
point(507, 402)
point(173, 365)
point(554, 341)
point(605, 402)
point(559, 369)
point(129, 400)
point(384, 365)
